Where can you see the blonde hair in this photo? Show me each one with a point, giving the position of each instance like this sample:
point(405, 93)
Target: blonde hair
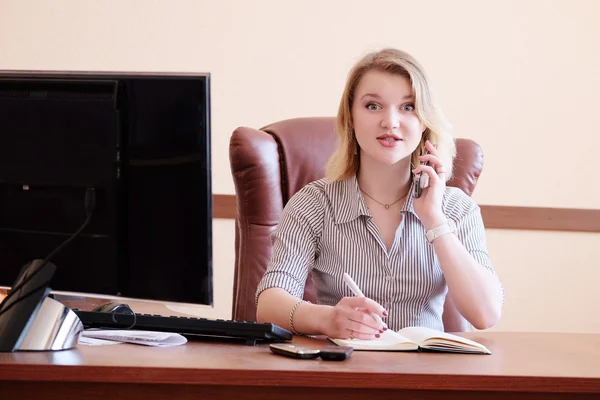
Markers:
point(345, 161)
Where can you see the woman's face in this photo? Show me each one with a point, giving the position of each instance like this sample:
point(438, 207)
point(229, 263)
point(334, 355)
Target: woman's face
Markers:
point(386, 125)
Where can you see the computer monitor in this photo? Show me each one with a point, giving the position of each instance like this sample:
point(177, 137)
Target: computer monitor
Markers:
point(136, 148)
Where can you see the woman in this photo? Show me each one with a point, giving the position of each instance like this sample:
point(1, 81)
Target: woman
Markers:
point(405, 251)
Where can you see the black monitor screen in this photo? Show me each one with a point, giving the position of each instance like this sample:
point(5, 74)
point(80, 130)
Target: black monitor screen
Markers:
point(141, 143)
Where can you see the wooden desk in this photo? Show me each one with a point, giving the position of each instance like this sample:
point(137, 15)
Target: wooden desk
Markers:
point(523, 366)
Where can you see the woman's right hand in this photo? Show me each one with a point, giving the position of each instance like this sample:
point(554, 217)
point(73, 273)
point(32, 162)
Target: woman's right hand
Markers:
point(351, 319)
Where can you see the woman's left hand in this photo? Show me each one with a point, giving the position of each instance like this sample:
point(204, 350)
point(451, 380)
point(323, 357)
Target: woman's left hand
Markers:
point(428, 207)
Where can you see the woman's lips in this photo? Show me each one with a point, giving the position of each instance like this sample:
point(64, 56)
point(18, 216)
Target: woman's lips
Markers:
point(388, 141)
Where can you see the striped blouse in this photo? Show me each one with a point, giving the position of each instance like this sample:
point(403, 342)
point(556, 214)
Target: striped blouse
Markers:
point(327, 229)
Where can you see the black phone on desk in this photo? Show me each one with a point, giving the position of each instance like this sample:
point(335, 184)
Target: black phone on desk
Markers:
point(336, 353)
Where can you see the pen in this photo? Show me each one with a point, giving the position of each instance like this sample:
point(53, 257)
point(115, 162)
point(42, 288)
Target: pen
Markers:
point(357, 292)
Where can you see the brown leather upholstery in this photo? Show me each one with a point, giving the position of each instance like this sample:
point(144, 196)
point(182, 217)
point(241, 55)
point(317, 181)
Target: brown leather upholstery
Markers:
point(270, 165)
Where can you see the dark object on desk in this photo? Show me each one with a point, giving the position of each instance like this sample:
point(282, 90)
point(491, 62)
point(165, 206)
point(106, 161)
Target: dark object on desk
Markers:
point(336, 353)
point(114, 307)
point(196, 328)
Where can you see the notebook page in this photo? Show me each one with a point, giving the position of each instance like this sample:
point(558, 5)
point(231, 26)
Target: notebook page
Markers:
point(388, 340)
point(421, 334)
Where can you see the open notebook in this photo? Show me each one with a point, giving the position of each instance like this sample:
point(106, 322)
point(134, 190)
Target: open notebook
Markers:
point(416, 338)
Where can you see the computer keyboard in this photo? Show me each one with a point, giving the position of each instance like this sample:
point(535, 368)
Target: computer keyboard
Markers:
point(192, 328)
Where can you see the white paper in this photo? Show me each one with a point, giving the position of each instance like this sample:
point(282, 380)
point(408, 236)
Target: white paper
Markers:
point(147, 338)
point(90, 341)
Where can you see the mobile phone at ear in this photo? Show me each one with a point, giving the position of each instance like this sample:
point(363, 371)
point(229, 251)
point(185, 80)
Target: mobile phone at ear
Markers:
point(336, 353)
point(418, 190)
point(290, 350)
point(421, 182)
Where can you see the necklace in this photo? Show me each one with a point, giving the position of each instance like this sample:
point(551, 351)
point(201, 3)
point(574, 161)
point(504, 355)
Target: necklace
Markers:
point(385, 205)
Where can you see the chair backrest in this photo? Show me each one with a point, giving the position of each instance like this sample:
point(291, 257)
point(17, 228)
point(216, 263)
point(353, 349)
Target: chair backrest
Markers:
point(269, 165)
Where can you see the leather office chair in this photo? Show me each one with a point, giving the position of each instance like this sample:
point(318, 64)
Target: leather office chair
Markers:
point(270, 165)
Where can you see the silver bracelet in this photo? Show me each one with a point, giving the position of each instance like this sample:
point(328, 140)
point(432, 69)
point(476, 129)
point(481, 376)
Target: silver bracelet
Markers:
point(292, 312)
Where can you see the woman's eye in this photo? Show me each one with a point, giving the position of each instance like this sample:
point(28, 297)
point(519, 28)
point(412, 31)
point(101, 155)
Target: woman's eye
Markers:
point(408, 107)
point(372, 107)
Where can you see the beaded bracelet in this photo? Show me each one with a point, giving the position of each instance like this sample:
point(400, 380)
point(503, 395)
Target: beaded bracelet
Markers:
point(292, 312)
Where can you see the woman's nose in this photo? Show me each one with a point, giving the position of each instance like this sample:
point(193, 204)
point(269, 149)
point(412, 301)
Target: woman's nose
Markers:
point(391, 119)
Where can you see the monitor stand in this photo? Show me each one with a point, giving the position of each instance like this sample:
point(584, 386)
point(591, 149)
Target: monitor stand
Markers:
point(55, 327)
point(32, 321)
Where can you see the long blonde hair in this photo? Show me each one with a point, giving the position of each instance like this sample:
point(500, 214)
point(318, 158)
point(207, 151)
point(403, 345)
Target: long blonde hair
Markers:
point(344, 162)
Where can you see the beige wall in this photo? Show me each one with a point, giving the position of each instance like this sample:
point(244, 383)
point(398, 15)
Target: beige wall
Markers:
point(518, 76)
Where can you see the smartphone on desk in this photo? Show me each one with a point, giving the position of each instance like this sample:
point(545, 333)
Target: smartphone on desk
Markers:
point(336, 353)
point(329, 353)
point(293, 351)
